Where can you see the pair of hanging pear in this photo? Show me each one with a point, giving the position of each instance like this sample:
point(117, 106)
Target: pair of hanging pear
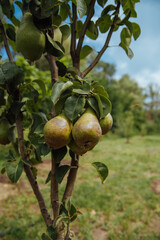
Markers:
point(82, 137)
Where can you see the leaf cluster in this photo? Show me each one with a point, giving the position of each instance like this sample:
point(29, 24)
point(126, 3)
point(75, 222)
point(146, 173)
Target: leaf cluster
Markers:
point(76, 94)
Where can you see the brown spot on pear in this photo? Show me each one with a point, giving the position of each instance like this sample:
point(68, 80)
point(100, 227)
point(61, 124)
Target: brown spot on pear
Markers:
point(57, 131)
point(30, 41)
point(106, 123)
point(86, 131)
point(76, 149)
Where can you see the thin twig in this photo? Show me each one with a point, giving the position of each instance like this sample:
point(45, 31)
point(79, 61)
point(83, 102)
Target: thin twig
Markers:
point(71, 179)
point(30, 176)
point(27, 169)
point(6, 44)
point(85, 25)
point(73, 33)
point(96, 60)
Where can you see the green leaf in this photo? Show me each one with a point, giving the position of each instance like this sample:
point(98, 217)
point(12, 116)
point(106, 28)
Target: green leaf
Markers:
point(100, 90)
point(59, 154)
point(79, 26)
point(2, 77)
point(48, 177)
point(126, 37)
point(80, 91)
point(53, 48)
point(102, 2)
point(136, 30)
point(100, 106)
point(11, 32)
point(45, 237)
point(60, 104)
point(92, 30)
point(45, 149)
point(93, 104)
point(86, 50)
point(102, 170)
point(61, 172)
point(106, 104)
point(64, 11)
point(52, 232)
point(38, 120)
point(42, 86)
point(58, 89)
point(14, 170)
point(127, 50)
point(82, 7)
point(73, 106)
point(62, 70)
point(72, 213)
point(66, 31)
point(16, 107)
point(13, 75)
point(104, 23)
point(108, 9)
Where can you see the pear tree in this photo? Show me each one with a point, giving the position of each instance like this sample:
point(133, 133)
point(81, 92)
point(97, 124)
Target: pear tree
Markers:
point(80, 109)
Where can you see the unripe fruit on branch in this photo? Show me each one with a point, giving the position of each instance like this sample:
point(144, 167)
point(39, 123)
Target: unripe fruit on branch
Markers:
point(106, 123)
point(57, 131)
point(87, 131)
point(30, 41)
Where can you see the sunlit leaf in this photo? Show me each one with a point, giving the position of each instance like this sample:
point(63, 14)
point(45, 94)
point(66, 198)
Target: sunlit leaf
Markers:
point(102, 170)
point(58, 89)
point(73, 106)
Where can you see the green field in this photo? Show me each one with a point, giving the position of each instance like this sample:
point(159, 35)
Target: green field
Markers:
point(125, 207)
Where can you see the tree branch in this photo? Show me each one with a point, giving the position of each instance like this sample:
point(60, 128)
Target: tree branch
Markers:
point(84, 28)
point(73, 33)
point(71, 179)
point(30, 176)
point(96, 60)
point(27, 169)
point(54, 189)
point(5, 40)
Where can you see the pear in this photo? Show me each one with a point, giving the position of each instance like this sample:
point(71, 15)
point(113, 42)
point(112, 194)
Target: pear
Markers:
point(76, 149)
point(86, 131)
point(4, 131)
point(57, 131)
point(30, 41)
point(106, 123)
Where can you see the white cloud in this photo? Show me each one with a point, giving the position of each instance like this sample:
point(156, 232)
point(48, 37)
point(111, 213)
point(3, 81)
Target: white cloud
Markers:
point(147, 76)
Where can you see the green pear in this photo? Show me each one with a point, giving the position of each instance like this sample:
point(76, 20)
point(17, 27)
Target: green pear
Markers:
point(30, 41)
point(57, 131)
point(106, 123)
point(4, 131)
point(86, 131)
point(76, 149)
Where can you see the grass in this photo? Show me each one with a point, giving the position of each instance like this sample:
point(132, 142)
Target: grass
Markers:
point(125, 207)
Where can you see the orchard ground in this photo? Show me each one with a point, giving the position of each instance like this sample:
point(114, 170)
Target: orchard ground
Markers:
point(125, 207)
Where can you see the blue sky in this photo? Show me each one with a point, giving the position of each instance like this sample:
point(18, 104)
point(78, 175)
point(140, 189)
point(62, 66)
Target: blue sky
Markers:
point(145, 65)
